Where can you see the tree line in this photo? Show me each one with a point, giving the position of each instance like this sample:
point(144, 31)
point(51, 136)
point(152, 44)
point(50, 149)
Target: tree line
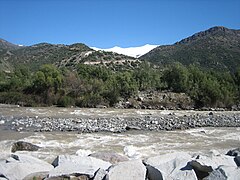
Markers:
point(89, 86)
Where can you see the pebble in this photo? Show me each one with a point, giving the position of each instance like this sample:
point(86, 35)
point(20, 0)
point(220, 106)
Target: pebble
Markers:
point(116, 124)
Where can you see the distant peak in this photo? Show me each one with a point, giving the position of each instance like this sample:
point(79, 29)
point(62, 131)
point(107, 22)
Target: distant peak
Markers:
point(7, 45)
point(207, 32)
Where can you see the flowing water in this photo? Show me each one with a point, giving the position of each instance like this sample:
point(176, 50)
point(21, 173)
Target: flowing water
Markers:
point(134, 144)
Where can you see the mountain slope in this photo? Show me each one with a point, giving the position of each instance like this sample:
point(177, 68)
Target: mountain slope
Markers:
point(61, 55)
point(216, 48)
point(5, 45)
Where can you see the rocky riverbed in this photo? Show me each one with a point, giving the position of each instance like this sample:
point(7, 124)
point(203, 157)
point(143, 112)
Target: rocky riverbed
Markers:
point(145, 120)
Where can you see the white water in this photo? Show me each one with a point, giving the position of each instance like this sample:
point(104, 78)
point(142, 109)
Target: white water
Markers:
point(134, 144)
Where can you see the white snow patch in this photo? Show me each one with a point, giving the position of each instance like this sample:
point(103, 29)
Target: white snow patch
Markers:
point(130, 51)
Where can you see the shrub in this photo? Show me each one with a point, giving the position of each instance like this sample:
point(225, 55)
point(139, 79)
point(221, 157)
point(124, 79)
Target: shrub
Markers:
point(65, 101)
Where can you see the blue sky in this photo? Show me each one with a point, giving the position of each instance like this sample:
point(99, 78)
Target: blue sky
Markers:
point(108, 23)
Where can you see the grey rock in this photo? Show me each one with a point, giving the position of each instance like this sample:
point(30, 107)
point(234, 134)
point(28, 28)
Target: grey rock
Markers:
point(234, 152)
point(210, 114)
point(69, 164)
point(172, 166)
point(37, 175)
point(132, 128)
point(201, 171)
point(224, 173)
point(24, 146)
point(128, 170)
point(216, 175)
point(153, 173)
point(111, 157)
point(100, 174)
point(19, 166)
point(237, 160)
point(216, 160)
point(69, 177)
point(204, 165)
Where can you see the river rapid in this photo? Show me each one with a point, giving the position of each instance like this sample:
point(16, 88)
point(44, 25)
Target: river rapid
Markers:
point(135, 143)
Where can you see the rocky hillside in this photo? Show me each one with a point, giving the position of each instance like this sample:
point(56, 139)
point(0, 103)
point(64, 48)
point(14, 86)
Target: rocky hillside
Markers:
point(5, 45)
point(61, 55)
point(216, 48)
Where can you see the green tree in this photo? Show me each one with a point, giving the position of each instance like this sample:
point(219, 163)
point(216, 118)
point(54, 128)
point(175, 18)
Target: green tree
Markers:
point(176, 78)
point(46, 78)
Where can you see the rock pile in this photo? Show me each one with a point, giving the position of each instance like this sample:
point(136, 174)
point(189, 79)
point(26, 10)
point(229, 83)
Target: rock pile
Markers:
point(111, 166)
point(120, 124)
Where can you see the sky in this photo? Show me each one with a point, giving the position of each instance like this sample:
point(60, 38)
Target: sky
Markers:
point(108, 23)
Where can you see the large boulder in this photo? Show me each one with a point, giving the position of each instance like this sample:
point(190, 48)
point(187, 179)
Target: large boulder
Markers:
point(24, 146)
point(224, 173)
point(69, 165)
point(204, 165)
point(170, 166)
point(19, 166)
point(128, 170)
point(111, 157)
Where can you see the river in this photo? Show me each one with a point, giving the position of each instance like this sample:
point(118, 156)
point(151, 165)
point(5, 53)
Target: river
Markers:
point(134, 144)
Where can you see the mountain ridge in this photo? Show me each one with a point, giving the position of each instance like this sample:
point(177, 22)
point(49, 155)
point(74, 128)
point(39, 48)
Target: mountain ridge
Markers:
point(59, 54)
point(215, 48)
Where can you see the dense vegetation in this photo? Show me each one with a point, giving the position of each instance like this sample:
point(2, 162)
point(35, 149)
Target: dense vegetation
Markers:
point(205, 67)
point(90, 85)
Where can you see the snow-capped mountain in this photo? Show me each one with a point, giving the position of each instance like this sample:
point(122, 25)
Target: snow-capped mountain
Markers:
point(131, 51)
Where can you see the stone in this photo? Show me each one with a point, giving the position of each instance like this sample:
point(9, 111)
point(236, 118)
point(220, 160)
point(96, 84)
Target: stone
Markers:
point(237, 160)
point(216, 175)
point(210, 114)
point(153, 173)
point(70, 164)
point(201, 170)
point(37, 175)
point(83, 152)
point(20, 166)
point(132, 128)
point(224, 173)
point(111, 157)
point(204, 165)
point(127, 170)
point(171, 166)
point(100, 174)
point(131, 152)
point(24, 146)
point(234, 152)
point(68, 177)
